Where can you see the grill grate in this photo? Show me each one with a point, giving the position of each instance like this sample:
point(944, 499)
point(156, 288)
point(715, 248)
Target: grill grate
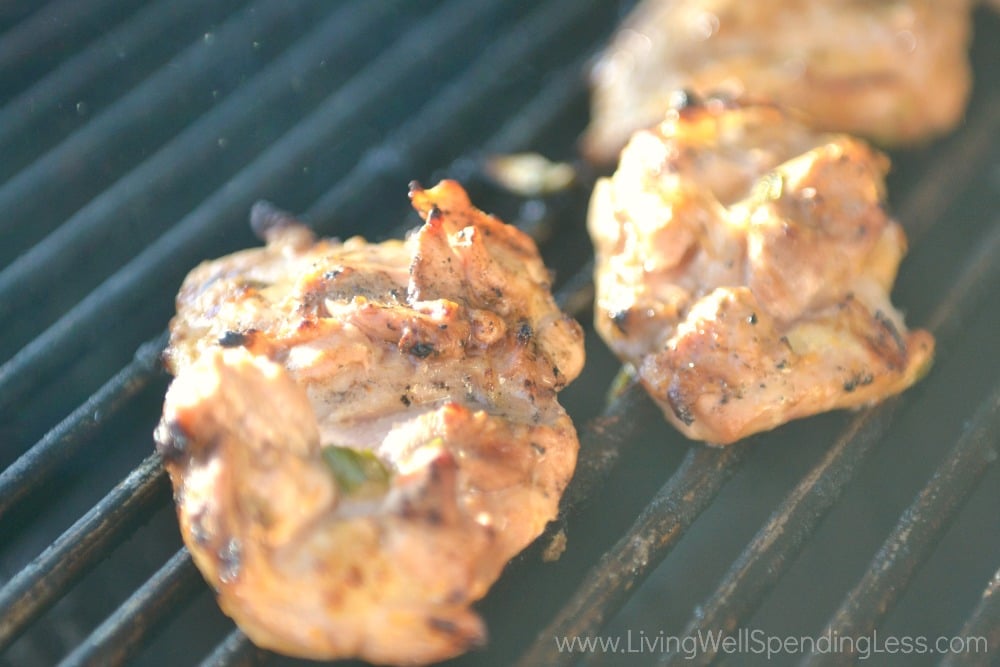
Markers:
point(139, 134)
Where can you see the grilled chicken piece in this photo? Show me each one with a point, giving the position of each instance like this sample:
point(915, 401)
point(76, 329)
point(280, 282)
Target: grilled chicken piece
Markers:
point(895, 71)
point(360, 436)
point(744, 265)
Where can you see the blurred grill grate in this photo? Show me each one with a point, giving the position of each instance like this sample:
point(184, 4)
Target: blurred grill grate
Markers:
point(90, 228)
point(159, 147)
point(125, 631)
point(920, 527)
point(41, 38)
point(984, 621)
point(44, 580)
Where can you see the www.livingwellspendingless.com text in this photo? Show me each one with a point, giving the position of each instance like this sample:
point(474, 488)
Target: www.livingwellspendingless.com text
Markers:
point(756, 641)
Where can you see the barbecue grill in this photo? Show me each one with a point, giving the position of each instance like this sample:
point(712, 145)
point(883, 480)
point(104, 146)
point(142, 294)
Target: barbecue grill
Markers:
point(136, 136)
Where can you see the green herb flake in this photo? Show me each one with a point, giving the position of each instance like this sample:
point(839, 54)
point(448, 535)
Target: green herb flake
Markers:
point(356, 471)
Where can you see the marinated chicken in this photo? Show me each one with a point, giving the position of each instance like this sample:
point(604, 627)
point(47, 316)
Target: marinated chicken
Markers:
point(744, 264)
point(895, 71)
point(360, 436)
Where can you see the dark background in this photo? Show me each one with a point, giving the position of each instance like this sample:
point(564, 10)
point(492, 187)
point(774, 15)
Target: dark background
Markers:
point(136, 135)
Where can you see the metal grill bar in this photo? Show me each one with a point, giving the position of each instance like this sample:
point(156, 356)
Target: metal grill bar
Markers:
point(782, 537)
point(622, 568)
point(157, 103)
point(142, 615)
point(47, 99)
point(603, 442)
point(235, 650)
point(183, 244)
point(918, 530)
point(561, 89)
point(983, 622)
point(45, 579)
point(51, 25)
point(30, 472)
point(927, 203)
point(163, 174)
point(470, 91)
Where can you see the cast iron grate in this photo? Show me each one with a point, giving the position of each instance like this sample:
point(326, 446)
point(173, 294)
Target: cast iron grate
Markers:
point(136, 137)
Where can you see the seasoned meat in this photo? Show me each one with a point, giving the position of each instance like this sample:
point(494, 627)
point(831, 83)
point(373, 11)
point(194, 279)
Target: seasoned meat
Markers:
point(893, 70)
point(744, 265)
point(360, 436)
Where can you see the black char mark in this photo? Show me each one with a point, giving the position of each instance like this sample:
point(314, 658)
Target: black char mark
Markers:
point(888, 325)
point(233, 339)
point(685, 99)
point(524, 333)
point(422, 350)
point(858, 380)
point(680, 406)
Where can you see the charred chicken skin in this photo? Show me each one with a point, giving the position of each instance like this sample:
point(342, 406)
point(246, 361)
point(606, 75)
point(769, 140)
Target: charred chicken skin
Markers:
point(360, 436)
point(744, 264)
point(895, 71)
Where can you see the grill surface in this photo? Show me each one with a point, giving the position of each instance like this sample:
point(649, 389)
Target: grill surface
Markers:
point(135, 138)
